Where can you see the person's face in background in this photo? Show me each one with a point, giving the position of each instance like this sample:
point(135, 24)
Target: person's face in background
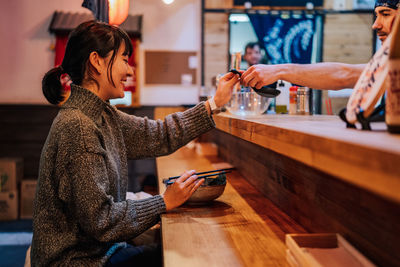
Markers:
point(384, 21)
point(253, 55)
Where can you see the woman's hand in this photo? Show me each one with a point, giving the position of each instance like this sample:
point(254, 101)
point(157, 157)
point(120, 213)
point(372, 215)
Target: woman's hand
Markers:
point(180, 191)
point(225, 87)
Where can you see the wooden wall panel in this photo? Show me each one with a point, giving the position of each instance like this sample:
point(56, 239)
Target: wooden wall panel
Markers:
point(330, 4)
point(317, 201)
point(348, 38)
point(24, 129)
point(218, 4)
point(216, 45)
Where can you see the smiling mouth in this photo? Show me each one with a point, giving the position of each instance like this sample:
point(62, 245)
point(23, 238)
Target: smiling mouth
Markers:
point(381, 34)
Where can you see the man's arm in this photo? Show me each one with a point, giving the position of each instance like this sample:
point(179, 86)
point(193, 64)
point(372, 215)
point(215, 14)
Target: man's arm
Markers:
point(329, 75)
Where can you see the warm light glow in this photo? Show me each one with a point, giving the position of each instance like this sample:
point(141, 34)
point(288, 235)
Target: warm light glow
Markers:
point(117, 11)
point(168, 1)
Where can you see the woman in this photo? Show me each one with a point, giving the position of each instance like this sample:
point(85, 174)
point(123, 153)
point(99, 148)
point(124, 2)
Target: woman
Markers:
point(81, 215)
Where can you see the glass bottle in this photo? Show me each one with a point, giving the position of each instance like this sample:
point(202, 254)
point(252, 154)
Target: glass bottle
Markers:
point(303, 97)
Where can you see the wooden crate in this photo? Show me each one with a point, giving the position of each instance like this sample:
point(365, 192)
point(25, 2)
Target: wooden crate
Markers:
point(319, 250)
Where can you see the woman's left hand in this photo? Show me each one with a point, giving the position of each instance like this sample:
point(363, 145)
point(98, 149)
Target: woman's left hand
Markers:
point(225, 87)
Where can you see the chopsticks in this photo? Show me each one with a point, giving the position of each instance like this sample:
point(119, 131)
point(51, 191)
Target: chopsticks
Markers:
point(169, 182)
point(328, 105)
point(209, 174)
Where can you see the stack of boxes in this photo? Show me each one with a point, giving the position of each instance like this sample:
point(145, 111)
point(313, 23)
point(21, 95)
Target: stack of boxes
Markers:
point(11, 173)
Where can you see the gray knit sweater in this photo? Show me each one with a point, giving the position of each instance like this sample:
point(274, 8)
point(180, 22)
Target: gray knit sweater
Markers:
point(80, 210)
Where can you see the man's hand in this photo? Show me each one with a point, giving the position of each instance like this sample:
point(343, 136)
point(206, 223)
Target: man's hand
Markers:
point(260, 75)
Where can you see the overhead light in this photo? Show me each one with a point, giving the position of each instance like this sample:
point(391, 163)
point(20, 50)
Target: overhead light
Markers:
point(168, 1)
point(117, 11)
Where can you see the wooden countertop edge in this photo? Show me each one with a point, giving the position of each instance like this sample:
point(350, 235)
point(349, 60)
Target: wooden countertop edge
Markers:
point(376, 170)
point(251, 209)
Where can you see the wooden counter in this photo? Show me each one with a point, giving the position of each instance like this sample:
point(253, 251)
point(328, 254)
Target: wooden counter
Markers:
point(325, 177)
point(241, 228)
point(368, 159)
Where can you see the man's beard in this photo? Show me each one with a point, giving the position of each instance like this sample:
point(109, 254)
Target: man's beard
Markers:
point(382, 34)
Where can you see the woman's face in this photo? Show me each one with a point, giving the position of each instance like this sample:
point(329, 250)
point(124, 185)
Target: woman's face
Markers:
point(119, 72)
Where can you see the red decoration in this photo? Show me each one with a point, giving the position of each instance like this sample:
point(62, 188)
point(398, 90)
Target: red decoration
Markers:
point(61, 44)
point(117, 11)
point(131, 82)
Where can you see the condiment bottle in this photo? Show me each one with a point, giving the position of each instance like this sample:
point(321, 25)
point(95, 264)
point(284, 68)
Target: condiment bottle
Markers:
point(293, 100)
point(282, 100)
point(392, 116)
point(303, 97)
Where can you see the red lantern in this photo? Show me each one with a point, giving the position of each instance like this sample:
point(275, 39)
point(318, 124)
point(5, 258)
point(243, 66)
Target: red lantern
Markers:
point(117, 11)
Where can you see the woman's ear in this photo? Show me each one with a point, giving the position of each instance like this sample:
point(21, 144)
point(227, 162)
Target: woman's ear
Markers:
point(96, 61)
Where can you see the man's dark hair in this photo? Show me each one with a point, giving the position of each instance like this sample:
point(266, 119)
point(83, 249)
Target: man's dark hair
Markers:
point(394, 4)
point(251, 46)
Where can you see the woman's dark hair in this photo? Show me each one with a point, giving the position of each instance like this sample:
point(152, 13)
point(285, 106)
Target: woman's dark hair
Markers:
point(88, 37)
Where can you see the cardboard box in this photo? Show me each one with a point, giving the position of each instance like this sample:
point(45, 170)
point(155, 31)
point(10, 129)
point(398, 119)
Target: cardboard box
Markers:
point(28, 190)
point(11, 172)
point(8, 205)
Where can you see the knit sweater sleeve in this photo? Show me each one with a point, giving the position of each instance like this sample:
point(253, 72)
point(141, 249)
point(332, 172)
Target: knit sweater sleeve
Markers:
point(94, 208)
point(152, 138)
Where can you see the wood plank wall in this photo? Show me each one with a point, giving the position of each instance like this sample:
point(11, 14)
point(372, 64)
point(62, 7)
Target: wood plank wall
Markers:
point(348, 38)
point(216, 46)
point(317, 201)
point(218, 4)
point(24, 129)
point(329, 4)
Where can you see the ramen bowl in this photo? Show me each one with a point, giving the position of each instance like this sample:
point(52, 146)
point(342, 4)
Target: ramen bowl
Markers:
point(211, 189)
point(247, 104)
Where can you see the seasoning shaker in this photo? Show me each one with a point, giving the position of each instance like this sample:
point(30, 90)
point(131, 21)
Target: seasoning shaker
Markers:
point(303, 101)
point(293, 100)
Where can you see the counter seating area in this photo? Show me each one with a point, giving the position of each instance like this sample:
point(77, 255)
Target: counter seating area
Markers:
point(240, 228)
point(294, 174)
point(327, 178)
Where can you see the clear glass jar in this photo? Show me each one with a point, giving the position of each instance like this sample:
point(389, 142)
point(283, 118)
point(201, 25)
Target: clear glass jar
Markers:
point(303, 101)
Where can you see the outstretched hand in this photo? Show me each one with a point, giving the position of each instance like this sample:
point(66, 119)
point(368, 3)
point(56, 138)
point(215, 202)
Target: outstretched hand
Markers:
point(260, 75)
point(225, 87)
point(180, 191)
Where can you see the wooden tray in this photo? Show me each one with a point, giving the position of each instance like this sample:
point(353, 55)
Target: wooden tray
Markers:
point(323, 250)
